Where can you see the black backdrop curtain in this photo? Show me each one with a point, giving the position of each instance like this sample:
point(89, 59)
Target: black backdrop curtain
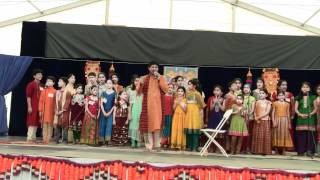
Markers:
point(34, 37)
point(208, 76)
point(182, 46)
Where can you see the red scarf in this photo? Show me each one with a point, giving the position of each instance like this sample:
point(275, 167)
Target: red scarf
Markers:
point(143, 125)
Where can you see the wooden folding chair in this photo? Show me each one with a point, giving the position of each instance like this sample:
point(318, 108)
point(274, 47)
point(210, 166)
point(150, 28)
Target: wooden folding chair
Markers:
point(212, 134)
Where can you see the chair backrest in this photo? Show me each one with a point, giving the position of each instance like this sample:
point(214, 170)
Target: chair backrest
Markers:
point(227, 114)
point(224, 119)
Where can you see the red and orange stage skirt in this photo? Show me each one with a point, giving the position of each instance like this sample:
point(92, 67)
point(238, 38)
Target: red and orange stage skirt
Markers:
point(62, 169)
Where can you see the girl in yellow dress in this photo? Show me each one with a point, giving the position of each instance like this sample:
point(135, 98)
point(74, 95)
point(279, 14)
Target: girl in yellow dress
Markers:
point(178, 136)
point(194, 121)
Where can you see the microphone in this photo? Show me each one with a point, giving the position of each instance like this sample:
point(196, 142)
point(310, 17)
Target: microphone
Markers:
point(156, 75)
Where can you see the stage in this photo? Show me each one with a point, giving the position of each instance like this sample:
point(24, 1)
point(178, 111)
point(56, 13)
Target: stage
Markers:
point(84, 153)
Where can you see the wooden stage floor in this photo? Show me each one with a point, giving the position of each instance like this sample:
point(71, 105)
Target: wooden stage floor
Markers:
point(291, 162)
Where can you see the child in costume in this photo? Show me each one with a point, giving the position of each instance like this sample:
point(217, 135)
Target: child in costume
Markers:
point(57, 123)
point(92, 81)
point(33, 91)
point(261, 133)
point(135, 107)
point(166, 129)
point(248, 103)
point(178, 135)
point(77, 113)
point(260, 87)
point(215, 111)
point(90, 128)
point(238, 127)
point(47, 109)
point(281, 138)
point(305, 107)
point(194, 121)
point(120, 120)
point(107, 100)
point(101, 83)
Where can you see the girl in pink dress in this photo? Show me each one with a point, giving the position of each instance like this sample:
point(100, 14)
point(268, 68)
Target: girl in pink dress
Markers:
point(90, 130)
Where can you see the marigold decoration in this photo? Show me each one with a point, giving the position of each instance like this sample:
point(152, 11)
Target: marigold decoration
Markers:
point(11, 167)
point(271, 77)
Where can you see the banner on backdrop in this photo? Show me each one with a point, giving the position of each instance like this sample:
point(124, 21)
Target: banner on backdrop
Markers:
point(92, 66)
point(188, 73)
point(271, 77)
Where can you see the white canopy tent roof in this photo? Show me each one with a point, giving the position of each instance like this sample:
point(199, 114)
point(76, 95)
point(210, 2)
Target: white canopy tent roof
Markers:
point(285, 17)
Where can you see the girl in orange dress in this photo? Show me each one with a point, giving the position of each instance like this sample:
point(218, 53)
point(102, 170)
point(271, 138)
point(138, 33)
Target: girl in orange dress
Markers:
point(281, 138)
point(230, 97)
point(261, 134)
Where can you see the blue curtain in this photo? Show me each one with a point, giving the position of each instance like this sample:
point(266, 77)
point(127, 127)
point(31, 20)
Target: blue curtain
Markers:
point(12, 69)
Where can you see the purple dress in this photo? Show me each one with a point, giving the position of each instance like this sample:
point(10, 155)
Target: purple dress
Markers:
point(215, 115)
